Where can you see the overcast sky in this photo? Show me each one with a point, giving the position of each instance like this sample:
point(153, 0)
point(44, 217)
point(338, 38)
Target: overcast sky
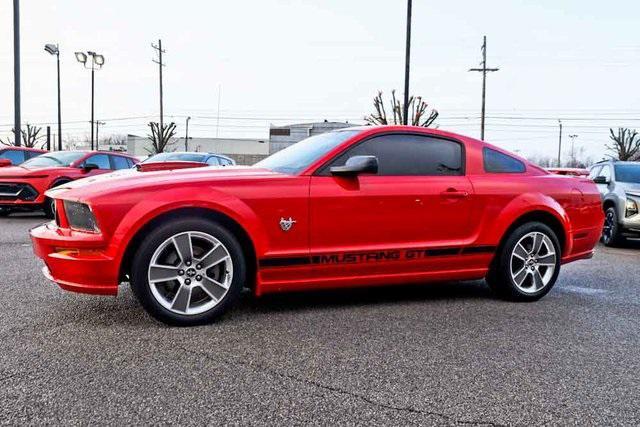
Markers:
point(287, 61)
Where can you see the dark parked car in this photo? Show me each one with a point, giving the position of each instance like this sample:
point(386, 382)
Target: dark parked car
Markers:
point(184, 160)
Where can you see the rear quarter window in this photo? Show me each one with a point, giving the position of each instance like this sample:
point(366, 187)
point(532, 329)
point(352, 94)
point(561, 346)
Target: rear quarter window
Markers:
point(497, 162)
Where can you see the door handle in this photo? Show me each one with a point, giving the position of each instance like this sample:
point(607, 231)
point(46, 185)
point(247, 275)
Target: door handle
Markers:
point(452, 193)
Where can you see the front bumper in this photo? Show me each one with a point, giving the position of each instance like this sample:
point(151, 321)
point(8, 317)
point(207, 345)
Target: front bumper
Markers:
point(76, 261)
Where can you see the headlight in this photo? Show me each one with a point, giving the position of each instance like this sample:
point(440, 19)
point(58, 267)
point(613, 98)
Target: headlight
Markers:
point(631, 208)
point(80, 216)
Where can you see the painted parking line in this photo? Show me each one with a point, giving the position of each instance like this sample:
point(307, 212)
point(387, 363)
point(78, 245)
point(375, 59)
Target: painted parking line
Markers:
point(582, 290)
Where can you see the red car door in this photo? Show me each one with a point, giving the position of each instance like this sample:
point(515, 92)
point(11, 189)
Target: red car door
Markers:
point(383, 223)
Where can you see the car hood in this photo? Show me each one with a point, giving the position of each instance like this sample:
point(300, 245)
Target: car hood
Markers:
point(131, 180)
point(630, 188)
point(12, 172)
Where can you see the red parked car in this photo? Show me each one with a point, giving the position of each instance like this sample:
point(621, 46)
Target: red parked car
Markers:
point(23, 187)
point(355, 207)
point(18, 155)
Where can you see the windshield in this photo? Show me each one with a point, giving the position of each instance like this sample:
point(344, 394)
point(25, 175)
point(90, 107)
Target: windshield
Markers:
point(628, 172)
point(177, 157)
point(298, 157)
point(59, 159)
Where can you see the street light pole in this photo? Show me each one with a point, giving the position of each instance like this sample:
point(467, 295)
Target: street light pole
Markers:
point(92, 104)
point(16, 71)
point(55, 50)
point(97, 61)
point(407, 62)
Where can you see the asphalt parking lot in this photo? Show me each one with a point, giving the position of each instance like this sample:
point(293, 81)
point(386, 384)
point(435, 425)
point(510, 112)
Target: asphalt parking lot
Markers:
point(436, 354)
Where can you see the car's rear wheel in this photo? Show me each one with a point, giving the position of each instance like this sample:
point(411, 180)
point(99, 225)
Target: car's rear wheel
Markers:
point(4, 212)
point(188, 271)
point(528, 264)
point(611, 230)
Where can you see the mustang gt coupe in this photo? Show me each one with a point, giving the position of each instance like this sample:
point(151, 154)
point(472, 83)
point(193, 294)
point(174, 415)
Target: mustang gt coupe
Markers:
point(360, 206)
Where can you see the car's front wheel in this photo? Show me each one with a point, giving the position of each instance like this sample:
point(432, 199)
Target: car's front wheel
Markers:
point(611, 230)
point(188, 271)
point(528, 263)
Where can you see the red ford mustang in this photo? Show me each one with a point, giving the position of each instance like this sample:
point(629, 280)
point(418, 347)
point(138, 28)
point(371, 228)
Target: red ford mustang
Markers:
point(355, 207)
point(22, 187)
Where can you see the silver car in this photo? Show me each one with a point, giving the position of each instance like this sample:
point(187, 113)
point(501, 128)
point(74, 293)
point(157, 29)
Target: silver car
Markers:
point(619, 185)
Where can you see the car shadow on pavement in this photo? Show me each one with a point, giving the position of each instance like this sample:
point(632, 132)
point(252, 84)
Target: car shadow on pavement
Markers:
point(100, 311)
point(378, 295)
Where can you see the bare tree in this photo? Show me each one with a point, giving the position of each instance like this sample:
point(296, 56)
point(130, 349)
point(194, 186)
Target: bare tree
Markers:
point(161, 138)
point(626, 144)
point(30, 138)
point(417, 108)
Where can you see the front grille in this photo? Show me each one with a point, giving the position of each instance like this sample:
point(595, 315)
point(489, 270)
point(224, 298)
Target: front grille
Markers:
point(17, 191)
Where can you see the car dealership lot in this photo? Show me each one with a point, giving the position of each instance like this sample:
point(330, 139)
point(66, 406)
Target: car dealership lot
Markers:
point(438, 354)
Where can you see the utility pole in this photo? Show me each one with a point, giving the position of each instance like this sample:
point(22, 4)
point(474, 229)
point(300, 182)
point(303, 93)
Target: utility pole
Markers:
point(407, 62)
point(17, 127)
point(160, 65)
point(98, 123)
point(559, 143)
point(484, 70)
point(573, 153)
point(48, 138)
point(186, 135)
point(218, 112)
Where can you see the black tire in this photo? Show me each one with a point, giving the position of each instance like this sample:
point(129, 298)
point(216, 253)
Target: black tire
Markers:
point(500, 278)
point(4, 213)
point(49, 207)
point(611, 231)
point(154, 239)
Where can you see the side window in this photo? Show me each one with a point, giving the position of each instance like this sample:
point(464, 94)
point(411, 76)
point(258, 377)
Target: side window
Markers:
point(606, 172)
point(130, 162)
point(120, 162)
point(213, 161)
point(100, 160)
point(403, 155)
point(31, 154)
point(224, 162)
point(497, 162)
point(16, 156)
point(594, 172)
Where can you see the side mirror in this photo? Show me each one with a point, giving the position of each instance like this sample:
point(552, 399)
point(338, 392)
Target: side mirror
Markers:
point(601, 180)
point(356, 165)
point(88, 167)
point(5, 162)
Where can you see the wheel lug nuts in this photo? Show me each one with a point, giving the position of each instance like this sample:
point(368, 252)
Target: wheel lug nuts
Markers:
point(187, 282)
point(198, 266)
point(188, 263)
point(180, 272)
point(198, 278)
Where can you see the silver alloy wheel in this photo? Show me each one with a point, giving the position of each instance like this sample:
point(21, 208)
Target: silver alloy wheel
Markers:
point(533, 262)
point(190, 273)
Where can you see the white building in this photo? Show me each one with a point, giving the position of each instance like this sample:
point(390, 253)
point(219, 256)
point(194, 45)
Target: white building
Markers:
point(283, 136)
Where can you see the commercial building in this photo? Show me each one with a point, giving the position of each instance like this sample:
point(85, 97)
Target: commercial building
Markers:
point(283, 136)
